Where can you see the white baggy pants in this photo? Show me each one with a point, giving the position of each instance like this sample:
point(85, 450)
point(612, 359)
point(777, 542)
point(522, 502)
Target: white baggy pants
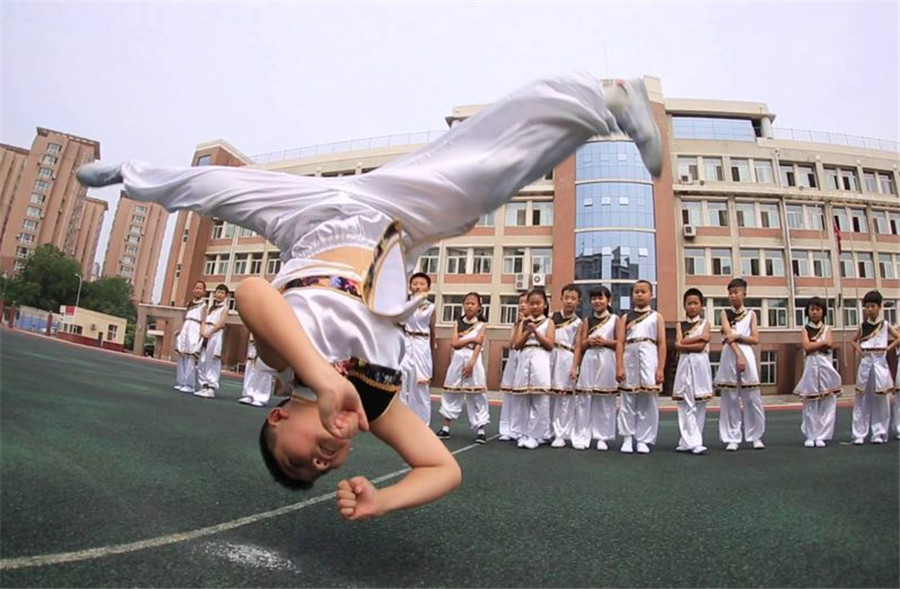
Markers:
point(639, 416)
point(186, 372)
point(476, 408)
point(818, 418)
point(209, 370)
point(691, 421)
point(603, 417)
point(743, 407)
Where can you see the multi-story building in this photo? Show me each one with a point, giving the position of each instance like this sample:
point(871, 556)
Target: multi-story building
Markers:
point(42, 202)
point(738, 198)
point(134, 245)
point(88, 236)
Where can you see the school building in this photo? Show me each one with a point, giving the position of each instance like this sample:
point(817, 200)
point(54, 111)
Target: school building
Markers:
point(797, 213)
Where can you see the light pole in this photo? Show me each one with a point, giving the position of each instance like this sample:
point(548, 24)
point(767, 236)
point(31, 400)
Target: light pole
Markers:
point(78, 296)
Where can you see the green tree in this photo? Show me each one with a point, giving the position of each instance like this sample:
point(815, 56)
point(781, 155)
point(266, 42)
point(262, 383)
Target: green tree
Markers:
point(56, 278)
point(110, 295)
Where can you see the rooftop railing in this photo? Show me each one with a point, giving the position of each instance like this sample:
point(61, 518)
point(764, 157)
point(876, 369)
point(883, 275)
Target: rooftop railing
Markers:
point(836, 139)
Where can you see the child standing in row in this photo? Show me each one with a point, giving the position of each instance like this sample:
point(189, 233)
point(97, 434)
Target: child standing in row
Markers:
point(738, 376)
point(189, 340)
point(419, 328)
point(693, 377)
point(257, 378)
point(872, 404)
point(535, 337)
point(210, 369)
point(820, 384)
point(595, 361)
point(510, 400)
point(563, 410)
point(465, 375)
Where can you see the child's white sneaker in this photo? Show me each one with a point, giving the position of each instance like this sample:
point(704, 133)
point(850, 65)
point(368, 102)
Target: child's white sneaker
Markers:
point(809, 444)
point(858, 441)
point(877, 440)
point(732, 447)
point(97, 174)
point(531, 444)
point(504, 438)
point(758, 445)
point(635, 117)
point(205, 394)
point(627, 446)
point(643, 448)
point(602, 446)
point(699, 450)
point(820, 443)
point(558, 443)
point(579, 446)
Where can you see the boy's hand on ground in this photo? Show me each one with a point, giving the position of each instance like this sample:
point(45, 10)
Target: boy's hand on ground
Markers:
point(340, 409)
point(357, 499)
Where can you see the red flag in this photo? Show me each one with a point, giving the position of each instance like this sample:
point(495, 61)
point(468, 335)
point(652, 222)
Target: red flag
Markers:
point(837, 235)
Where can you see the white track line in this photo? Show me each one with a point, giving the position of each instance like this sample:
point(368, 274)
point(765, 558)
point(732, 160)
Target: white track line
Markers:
point(61, 557)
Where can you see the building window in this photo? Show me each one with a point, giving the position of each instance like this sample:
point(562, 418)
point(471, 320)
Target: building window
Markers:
point(247, 232)
point(137, 219)
point(721, 262)
point(542, 213)
point(692, 212)
point(870, 182)
point(806, 176)
point(886, 266)
point(880, 220)
point(542, 261)
point(33, 212)
point(687, 127)
point(687, 168)
point(48, 160)
point(718, 213)
point(841, 218)
point(112, 332)
point(131, 249)
point(504, 358)
point(713, 169)
point(746, 214)
point(486, 220)
point(22, 252)
point(740, 170)
point(795, 218)
point(177, 270)
point(41, 186)
point(821, 264)
point(694, 262)
point(452, 308)
point(140, 209)
point(218, 229)
point(774, 262)
point(858, 221)
point(750, 263)
point(26, 238)
point(209, 266)
point(509, 309)
point(45, 173)
point(456, 260)
point(37, 199)
point(53, 148)
point(513, 260)
point(133, 239)
point(777, 312)
point(847, 269)
point(18, 266)
point(516, 214)
point(128, 260)
point(849, 180)
point(816, 217)
point(768, 367)
point(851, 312)
point(222, 261)
point(768, 216)
point(135, 229)
point(273, 264)
point(764, 172)
point(894, 220)
point(256, 263)
point(865, 265)
point(886, 182)
point(429, 262)
point(788, 178)
point(800, 263)
point(29, 225)
point(184, 235)
point(890, 314)
point(481, 260)
point(204, 160)
point(240, 263)
point(719, 305)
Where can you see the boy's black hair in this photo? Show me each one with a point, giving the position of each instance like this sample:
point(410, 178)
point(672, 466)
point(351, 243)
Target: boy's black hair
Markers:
point(817, 302)
point(422, 275)
point(266, 441)
point(222, 287)
point(602, 291)
point(873, 296)
point(737, 283)
point(571, 287)
point(541, 293)
point(642, 281)
point(693, 292)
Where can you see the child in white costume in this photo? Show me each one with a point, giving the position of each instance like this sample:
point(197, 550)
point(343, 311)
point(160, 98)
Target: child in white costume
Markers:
point(337, 303)
point(640, 359)
point(209, 371)
point(820, 384)
point(535, 337)
point(509, 406)
point(465, 375)
point(595, 358)
point(563, 408)
point(693, 377)
point(189, 340)
point(419, 328)
point(257, 379)
point(737, 379)
point(872, 403)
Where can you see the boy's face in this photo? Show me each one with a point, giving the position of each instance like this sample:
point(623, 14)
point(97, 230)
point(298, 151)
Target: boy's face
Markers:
point(816, 313)
point(303, 447)
point(220, 296)
point(872, 310)
point(692, 306)
point(418, 285)
point(536, 305)
point(523, 305)
point(641, 294)
point(736, 296)
point(199, 290)
point(599, 304)
point(570, 301)
point(471, 307)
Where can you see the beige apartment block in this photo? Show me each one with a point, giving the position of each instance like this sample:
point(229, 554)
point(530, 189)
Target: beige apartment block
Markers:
point(740, 197)
point(47, 202)
point(134, 245)
point(88, 236)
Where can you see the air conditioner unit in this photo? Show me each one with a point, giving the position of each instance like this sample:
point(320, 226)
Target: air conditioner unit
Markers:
point(538, 279)
point(93, 327)
point(702, 182)
point(689, 231)
point(687, 179)
point(522, 281)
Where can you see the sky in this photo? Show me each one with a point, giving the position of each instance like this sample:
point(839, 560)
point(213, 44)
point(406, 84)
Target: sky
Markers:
point(151, 80)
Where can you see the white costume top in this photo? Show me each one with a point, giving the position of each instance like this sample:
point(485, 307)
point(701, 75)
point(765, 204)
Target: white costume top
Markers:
point(819, 378)
point(188, 340)
point(563, 352)
point(418, 341)
point(641, 353)
point(214, 343)
point(727, 376)
point(694, 373)
point(873, 363)
point(597, 374)
point(533, 371)
point(455, 382)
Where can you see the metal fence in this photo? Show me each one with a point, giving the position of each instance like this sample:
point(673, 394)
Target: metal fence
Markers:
point(421, 137)
point(836, 139)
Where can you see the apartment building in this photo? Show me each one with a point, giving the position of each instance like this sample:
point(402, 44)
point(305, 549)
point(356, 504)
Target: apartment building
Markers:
point(135, 243)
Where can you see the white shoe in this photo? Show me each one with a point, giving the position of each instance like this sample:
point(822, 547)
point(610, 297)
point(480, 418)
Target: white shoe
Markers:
point(820, 443)
point(809, 444)
point(627, 447)
point(579, 446)
point(636, 120)
point(558, 443)
point(877, 440)
point(187, 390)
point(602, 446)
point(177, 388)
point(699, 450)
point(97, 174)
point(245, 400)
point(732, 447)
point(205, 394)
point(504, 438)
point(520, 443)
point(758, 445)
point(680, 448)
point(858, 442)
point(257, 404)
point(642, 448)
point(531, 444)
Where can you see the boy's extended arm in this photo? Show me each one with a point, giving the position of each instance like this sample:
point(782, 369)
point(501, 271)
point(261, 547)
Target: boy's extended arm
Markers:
point(434, 472)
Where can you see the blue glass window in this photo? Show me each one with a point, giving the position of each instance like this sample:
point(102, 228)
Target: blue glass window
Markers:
point(615, 255)
point(713, 128)
point(617, 160)
point(614, 204)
